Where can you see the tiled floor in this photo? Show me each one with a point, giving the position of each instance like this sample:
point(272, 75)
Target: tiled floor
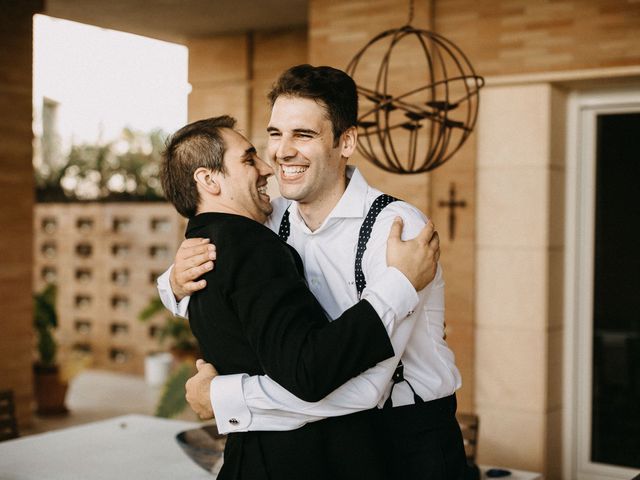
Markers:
point(96, 395)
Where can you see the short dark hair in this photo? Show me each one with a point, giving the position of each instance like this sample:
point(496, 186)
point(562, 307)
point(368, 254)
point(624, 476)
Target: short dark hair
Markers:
point(198, 144)
point(332, 88)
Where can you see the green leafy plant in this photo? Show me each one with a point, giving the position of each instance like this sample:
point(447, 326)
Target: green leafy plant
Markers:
point(184, 348)
point(172, 401)
point(176, 329)
point(45, 321)
point(123, 169)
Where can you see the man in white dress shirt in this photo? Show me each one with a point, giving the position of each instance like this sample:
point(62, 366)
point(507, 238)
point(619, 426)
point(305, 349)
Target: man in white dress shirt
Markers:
point(322, 212)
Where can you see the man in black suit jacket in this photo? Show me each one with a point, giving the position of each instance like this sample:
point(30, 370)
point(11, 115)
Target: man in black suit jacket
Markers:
point(257, 316)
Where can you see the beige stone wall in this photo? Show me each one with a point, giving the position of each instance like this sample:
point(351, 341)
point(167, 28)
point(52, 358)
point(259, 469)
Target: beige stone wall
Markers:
point(16, 202)
point(220, 78)
point(523, 36)
point(104, 258)
point(231, 74)
point(519, 276)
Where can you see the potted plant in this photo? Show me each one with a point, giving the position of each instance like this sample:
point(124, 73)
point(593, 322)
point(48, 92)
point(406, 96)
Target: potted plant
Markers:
point(182, 344)
point(184, 351)
point(50, 388)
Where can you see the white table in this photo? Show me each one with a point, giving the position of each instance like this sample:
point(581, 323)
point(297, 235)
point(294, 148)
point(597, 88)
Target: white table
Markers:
point(128, 447)
point(515, 474)
point(136, 447)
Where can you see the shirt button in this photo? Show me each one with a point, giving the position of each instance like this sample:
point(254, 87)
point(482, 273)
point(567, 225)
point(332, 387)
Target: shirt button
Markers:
point(234, 421)
point(411, 312)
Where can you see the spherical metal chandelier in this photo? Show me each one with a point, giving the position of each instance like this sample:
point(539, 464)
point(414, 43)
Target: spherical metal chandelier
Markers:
point(416, 129)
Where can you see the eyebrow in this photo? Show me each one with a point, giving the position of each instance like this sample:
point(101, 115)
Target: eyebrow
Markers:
point(305, 130)
point(249, 152)
point(295, 130)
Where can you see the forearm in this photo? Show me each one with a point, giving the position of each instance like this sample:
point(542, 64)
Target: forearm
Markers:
point(392, 296)
point(260, 403)
point(269, 406)
point(304, 352)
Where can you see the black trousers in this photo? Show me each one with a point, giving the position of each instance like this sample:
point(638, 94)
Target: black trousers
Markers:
point(424, 441)
point(338, 448)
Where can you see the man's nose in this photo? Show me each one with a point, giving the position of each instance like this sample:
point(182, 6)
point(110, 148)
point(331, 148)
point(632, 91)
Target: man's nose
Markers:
point(264, 168)
point(285, 148)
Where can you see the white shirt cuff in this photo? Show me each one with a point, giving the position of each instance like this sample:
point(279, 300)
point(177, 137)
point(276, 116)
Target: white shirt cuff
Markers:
point(167, 297)
point(227, 401)
point(392, 291)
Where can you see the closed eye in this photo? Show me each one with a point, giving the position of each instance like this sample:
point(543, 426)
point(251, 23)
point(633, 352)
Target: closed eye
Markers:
point(305, 133)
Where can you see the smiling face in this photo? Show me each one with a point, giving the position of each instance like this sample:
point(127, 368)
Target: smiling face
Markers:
point(243, 186)
point(309, 168)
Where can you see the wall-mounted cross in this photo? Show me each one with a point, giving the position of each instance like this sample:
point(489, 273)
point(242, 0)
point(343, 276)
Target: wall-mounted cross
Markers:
point(452, 204)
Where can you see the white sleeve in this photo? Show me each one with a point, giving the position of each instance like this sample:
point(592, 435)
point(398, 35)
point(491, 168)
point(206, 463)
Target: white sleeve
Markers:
point(167, 297)
point(272, 407)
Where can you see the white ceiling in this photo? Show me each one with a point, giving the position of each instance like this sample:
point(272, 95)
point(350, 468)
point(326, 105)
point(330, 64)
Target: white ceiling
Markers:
point(177, 20)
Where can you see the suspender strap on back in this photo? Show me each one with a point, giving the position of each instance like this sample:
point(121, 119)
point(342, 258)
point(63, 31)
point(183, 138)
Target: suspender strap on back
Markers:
point(398, 377)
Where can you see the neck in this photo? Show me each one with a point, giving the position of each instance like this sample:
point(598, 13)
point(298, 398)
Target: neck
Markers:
point(220, 207)
point(315, 212)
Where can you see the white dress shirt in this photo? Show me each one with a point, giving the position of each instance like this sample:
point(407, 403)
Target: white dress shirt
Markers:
point(415, 324)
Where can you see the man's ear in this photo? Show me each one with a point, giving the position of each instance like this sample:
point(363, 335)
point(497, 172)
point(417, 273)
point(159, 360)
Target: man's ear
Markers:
point(349, 141)
point(206, 180)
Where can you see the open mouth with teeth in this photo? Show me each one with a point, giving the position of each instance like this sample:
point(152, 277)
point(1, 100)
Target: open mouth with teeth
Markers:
point(262, 190)
point(293, 171)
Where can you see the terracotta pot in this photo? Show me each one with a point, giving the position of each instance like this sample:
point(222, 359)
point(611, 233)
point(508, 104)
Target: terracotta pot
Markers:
point(50, 390)
point(181, 355)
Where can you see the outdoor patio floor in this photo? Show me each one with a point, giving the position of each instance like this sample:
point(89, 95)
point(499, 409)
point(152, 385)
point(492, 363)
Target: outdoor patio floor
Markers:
point(97, 395)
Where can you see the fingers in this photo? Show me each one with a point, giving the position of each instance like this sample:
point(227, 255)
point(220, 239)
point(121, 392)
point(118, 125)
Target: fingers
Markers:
point(434, 243)
point(435, 240)
point(192, 242)
point(396, 229)
point(426, 233)
point(191, 268)
point(206, 368)
point(434, 246)
point(186, 274)
point(193, 256)
point(192, 287)
point(200, 259)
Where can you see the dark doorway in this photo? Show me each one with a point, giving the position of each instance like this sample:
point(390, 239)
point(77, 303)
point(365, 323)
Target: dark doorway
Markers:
point(615, 423)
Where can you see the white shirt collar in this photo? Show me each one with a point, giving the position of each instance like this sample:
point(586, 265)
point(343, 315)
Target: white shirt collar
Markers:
point(351, 204)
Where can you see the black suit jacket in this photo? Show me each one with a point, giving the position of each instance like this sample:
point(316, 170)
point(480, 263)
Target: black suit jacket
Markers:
point(257, 316)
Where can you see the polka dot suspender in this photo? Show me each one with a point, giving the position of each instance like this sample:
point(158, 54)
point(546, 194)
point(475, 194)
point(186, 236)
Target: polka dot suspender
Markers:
point(365, 232)
point(363, 238)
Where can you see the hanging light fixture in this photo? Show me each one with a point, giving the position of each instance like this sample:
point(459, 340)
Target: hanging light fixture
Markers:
point(432, 119)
